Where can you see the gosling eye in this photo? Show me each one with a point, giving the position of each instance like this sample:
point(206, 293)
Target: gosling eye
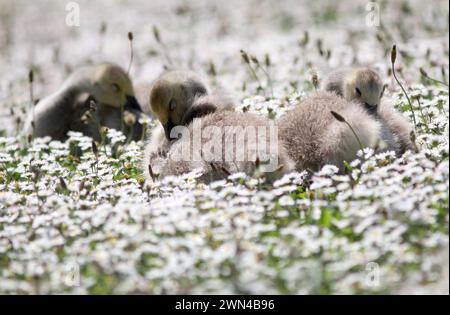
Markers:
point(358, 91)
point(115, 87)
point(172, 105)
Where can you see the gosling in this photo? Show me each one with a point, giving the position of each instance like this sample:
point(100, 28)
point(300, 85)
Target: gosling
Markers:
point(172, 94)
point(111, 90)
point(174, 102)
point(314, 138)
point(365, 86)
point(227, 142)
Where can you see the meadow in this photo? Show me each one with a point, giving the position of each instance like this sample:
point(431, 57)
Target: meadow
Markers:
point(79, 217)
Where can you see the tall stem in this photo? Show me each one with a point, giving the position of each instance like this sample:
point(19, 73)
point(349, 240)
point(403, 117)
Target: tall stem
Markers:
point(424, 74)
point(356, 135)
point(131, 57)
point(393, 58)
point(340, 118)
point(269, 80)
point(31, 80)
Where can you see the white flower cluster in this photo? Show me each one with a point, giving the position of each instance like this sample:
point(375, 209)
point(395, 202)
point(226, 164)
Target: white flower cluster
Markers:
point(67, 214)
point(75, 218)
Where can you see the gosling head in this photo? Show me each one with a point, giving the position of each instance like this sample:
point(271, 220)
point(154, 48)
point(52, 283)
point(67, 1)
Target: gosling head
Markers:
point(110, 85)
point(172, 95)
point(365, 86)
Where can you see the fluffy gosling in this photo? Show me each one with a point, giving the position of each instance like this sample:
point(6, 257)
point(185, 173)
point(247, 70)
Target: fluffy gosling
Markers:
point(111, 89)
point(365, 86)
point(175, 99)
point(230, 142)
point(314, 138)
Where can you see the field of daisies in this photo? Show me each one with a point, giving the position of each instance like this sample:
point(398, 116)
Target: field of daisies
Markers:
point(79, 218)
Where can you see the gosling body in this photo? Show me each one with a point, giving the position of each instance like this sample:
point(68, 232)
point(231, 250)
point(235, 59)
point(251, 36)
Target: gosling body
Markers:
point(395, 130)
point(225, 145)
point(314, 138)
point(230, 142)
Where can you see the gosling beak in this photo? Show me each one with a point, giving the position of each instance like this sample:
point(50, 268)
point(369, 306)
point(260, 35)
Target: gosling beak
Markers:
point(168, 128)
point(372, 109)
point(132, 103)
